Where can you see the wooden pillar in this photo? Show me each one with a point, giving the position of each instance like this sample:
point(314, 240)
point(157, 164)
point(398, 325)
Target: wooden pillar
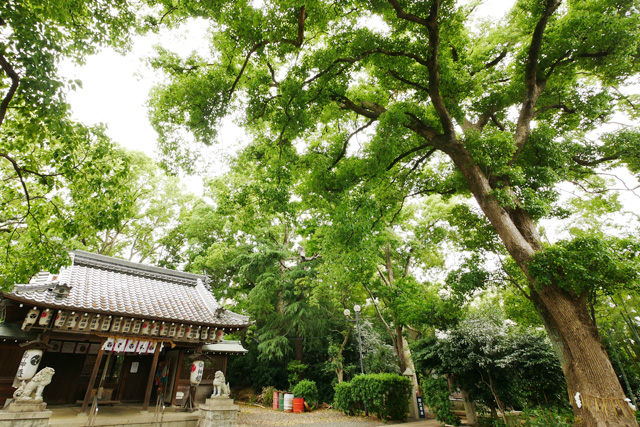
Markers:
point(152, 371)
point(177, 380)
point(92, 381)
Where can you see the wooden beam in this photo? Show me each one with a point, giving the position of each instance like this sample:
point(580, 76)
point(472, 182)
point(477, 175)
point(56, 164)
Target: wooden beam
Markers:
point(92, 381)
point(152, 371)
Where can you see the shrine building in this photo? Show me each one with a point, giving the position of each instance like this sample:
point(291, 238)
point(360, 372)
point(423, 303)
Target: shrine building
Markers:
point(125, 331)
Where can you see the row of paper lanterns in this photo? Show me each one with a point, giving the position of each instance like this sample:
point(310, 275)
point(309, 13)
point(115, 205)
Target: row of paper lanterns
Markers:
point(65, 320)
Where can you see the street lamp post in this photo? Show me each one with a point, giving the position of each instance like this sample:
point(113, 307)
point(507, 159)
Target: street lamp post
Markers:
point(347, 312)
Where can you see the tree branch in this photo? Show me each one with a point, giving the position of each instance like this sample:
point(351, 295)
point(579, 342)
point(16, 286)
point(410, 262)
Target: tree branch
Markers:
point(400, 13)
point(491, 63)
point(434, 74)
point(533, 86)
point(413, 150)
point(346, 143)
point(375, 304)
point(409, 82)
point(15, 81)
point(367, 109)
point(302, 15)
point(562, 107)
point(363, 55)
point(421, 128)
point(18, 170)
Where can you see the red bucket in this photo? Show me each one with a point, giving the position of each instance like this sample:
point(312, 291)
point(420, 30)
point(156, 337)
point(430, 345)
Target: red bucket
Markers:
point(298, 405)
point(276, 400)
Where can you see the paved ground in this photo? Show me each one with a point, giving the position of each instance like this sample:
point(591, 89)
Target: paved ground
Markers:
point(257, 416)
point(249, 416)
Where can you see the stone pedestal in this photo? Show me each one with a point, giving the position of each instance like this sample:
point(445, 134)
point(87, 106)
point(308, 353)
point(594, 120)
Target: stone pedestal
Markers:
point(219, 411)
point(37, 406)
point(25, 414)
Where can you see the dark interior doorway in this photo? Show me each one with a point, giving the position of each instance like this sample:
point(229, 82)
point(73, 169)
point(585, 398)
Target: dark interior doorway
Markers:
point(133, 378)
point(66, 382)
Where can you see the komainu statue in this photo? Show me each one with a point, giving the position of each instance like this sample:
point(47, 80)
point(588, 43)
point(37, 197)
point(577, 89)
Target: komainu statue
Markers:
point(220, 388)
point(32, 391)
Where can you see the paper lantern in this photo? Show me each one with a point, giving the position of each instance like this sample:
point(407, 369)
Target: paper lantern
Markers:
point(197, 369)
point(29, 364)
point(30, 319)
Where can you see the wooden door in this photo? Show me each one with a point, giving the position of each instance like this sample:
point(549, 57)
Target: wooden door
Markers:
point(133, 382)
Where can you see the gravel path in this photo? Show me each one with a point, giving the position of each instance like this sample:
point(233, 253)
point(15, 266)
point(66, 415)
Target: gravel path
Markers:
point(250, 415)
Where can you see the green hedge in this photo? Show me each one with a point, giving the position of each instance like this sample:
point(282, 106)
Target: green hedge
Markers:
point(308, 390)
point(386, 395)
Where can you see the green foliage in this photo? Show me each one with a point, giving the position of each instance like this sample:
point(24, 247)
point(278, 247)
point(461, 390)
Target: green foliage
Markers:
point(547, 417)
point(386, 395)
point(296, 369)
point(436, 396)
point(587, 264)
point(497, 363)
point(262, 374)
point(308, 390)
point(345, 398)
point(61, 181)
point(77, 187)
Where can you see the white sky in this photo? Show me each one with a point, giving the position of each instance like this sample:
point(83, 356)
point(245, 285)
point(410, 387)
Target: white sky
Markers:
point(115, 89)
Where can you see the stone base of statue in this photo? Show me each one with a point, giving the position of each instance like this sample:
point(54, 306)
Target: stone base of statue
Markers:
point(25, 414)
point(218, 411)
point(26, 406)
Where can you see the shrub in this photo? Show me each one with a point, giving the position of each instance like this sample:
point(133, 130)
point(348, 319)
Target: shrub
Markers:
point(436, 396)
point(549, 417)
point(308, 390)
point(386, 395)
point(343, 399)
point(295, 369)
point(267, 396)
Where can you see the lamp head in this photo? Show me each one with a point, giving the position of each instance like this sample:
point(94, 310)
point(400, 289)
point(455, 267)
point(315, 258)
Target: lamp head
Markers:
point(347, 312)
point(356, 308)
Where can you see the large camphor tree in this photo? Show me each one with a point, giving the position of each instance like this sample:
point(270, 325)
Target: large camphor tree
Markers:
point(413, 94)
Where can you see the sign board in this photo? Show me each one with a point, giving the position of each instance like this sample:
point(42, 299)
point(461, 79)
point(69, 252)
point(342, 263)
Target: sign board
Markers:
point(421, 413)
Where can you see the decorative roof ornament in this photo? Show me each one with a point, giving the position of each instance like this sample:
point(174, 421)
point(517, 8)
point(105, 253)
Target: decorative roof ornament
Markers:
point(61, 290)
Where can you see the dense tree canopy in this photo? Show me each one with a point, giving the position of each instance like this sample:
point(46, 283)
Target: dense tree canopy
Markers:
point(377, 102)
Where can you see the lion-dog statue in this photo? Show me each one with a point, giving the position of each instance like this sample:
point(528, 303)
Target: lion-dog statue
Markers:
point(32, 391)
point(220, 388)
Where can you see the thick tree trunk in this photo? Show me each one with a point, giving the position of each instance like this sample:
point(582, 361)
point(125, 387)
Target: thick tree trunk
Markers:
point(407, 361)
point(586, 365)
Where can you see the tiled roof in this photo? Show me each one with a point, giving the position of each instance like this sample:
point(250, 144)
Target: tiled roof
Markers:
point(101, 284)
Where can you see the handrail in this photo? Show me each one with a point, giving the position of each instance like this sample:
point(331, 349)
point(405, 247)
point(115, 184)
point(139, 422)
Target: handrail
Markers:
point(93, 412)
